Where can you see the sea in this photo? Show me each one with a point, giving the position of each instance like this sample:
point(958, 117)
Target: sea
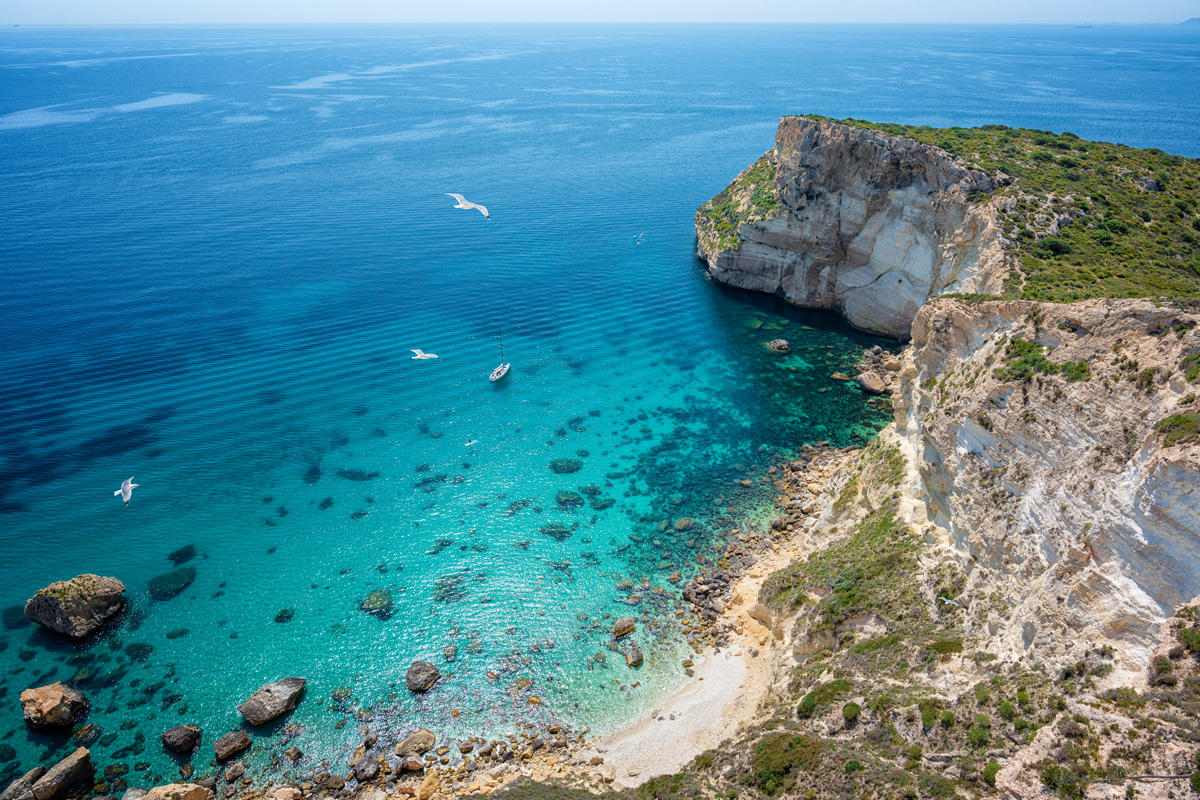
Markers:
point(218, 247)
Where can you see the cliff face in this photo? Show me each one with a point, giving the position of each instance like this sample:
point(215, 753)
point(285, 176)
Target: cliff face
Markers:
point(854, 220)
point(1039, 454)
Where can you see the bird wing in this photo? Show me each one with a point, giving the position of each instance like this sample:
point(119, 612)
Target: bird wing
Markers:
point(457, 197)
point(482, 210)
point(116, 493)
point(418, 352)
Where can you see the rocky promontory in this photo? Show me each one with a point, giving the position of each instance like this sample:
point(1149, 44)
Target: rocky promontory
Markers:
point(854, 220)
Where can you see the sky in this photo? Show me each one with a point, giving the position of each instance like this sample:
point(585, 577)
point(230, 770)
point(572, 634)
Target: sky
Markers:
point(762, 11)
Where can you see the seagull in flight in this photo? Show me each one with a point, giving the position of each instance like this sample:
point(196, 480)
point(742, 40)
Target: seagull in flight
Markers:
point(126, 490)
point(467, 205)
point(949, 602)
point(421, 355)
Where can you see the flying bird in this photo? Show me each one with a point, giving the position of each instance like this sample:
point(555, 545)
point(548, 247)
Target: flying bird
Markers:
point(126, 490)
point(421, 355)
point(467, 205)
point(949, 602)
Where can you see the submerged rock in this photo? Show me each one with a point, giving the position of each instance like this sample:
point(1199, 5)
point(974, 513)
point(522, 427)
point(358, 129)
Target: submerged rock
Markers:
point(633, 658)
point(566, 499)
point(170, 584)
point(272, 701)
point(77, 607)
point(313, 474)
point(357, 475)
point(779, 346)
point(56, 705)
point(378, 603)
point(557, 531)
point(182, 555)
point(182, 738)
point(421, 676)
point(565, 466)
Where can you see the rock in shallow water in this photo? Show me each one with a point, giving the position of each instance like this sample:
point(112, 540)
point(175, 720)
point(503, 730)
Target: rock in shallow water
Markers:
point(65, 777)
point(77, 607)
point(417, 743)
point(168, 585)
point(182, 738)
point(378, 603)
point(623, 627)
point(231, 744)
point(421, 676)
point(272, 701)
point(52, 706)
point(178, 791)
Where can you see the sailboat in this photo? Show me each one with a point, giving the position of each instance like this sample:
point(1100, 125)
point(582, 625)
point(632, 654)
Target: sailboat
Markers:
point(499, 372)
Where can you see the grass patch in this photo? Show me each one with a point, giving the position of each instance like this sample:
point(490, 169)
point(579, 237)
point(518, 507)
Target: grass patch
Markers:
point(1183, 428)
point(751, 197)
point(779, 757)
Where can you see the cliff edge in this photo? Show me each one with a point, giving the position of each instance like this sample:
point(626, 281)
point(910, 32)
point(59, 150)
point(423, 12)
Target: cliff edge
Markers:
point(855, 220)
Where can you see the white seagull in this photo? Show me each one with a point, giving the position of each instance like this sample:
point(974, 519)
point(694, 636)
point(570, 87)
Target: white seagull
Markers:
point(126, 490)
point(467, 205)
point(949, 602)
point(421, 355)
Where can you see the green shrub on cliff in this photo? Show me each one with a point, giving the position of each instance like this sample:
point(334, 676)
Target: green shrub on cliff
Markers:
point(749, 198)
point(779, 757)
point(1179, 428)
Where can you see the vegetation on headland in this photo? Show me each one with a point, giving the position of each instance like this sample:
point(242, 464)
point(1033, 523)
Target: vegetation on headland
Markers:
point(751, 197)
point(1087, 219)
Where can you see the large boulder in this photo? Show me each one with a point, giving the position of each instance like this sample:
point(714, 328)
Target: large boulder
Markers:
point(66, 776)
point(22, 787)
point(272, 701)
point(56, 705)
point(178, 791)
point(366, 769)
point(231, 744)
point(77, 607)
point(182, 738)
point(421, 676)
point(871, 383)
point(420, 743)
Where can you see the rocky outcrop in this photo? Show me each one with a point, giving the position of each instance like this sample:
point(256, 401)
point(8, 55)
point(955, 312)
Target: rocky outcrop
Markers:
point(78, 607)
point(623, 627)
point(421, 676)
point(1052, 456)
point(65, 777)
point(22, 787)
point(178, 791)
point(272, 701)
point(851, 219)
point(420, 742)
point(56, 705)
point(182, 738)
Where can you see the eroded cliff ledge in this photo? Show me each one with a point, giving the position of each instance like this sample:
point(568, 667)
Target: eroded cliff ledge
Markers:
point(855, 220)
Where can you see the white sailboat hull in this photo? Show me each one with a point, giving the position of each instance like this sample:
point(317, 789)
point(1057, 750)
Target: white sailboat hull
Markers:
point(499, 372)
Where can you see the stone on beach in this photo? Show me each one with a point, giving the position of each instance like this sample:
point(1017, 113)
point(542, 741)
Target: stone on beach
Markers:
point(421, 676)
point(182, 738)
point(56, 705)
point(77, 607)
point(272, 701)
point(231, 744)
point(872, 383)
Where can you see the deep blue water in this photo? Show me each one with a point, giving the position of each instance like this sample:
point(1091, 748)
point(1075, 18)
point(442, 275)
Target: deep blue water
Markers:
point(219, 244)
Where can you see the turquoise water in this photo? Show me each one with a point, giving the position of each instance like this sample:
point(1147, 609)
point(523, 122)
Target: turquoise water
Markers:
point(220, 244)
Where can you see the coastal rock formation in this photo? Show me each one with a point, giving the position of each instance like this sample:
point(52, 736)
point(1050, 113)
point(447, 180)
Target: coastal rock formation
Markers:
point(22, 787)
point(78, 607)
point(231, 744)
point(623, 627)
point(272, 701)
point(420, 742)
point(64, 778)
point(1055, 450)
point(854, 220)
point(182, 738)
point(421, 676)
point(56, 705)
point(178, 791)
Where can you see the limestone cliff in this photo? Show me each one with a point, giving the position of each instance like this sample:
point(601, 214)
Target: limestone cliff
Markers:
point(1040, 437)
point(855, 220)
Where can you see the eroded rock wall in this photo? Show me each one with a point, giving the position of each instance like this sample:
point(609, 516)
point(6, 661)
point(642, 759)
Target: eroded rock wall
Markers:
point(867, 224)
point(1076, 524)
